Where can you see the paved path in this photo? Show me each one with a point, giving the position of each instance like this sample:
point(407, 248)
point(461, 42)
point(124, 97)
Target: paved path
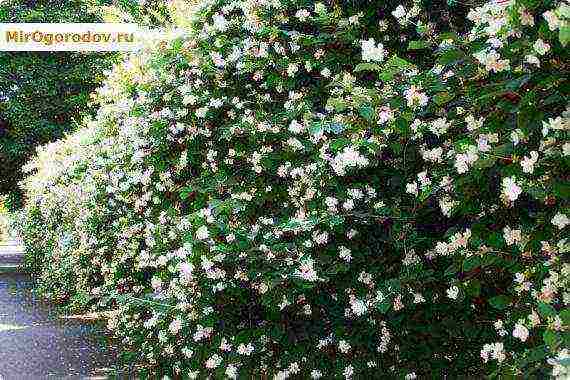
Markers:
point(37, 342)
point(11, 254)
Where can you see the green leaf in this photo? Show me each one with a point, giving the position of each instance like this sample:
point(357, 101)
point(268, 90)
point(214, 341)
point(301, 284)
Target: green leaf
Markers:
point(185, 192)
point(561, 190)
point(450, 56)
point(473, 289)
point(471, 263)
point(565, 316)
point(366, 112)
point(336, 128)
point(517, 83)
point(338, 144)
point(535, 355)
point(495, 240)
point(550, 338)
point(485, 163)
point(452, 270)
point(546, 310)
point(393, 66)
point(384, 306)
point(442, 98)
point(500, 302)
point(564, 35)
point(418, 45)
point(397, 62)
point(367, 67)
point(339, 105)
point(563, 11)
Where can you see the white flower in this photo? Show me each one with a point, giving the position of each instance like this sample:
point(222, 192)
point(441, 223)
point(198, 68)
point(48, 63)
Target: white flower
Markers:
point(292, 69)
point(433, 155)
point(566, 149)
point(541, 47)
point(326, 72)
point(187, 352)
point(447, 205)
point(412, 188)
point(560, 220)
point(218, 59)
point(472, 123)
point(348, 372)
point(220, 22)
point(439, 126)
point(424, 179)
point(344, 253)
point(552, 20)
point(399, 12)
point(415, 97)
point(296, 127)
point(231, 372)
point(453, 292)
point(511, 189)
point(214, 361)
point(516, 136)
point(492, 61)
point(512, 236)
point(201, 112)
point(558, 123)
point(343, 346)
point(464, 160)
point(385, 114)
point(316, 374)
point(533, 60)
point(202, 233)
point(499, 327)
point(186, 271)
point(320, 8)
point(371, 51)
point(294, 368)
point(442, 248)
point(245, 349)
point(521, 332)
point(349, 157)
point(358, 307)
point(302, 14)
point(225, 346)
point(175, 326)
point(527, 163)
point(156, 283)
point(189, 99)
point(306, 271)
point(495, 350)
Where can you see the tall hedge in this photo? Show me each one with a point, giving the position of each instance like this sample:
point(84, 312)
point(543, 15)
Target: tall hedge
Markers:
point(324, 190)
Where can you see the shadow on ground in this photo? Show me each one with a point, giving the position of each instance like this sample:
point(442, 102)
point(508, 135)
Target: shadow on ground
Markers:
point(37, 343)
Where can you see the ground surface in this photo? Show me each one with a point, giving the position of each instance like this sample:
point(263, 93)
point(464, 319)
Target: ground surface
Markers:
point(37, 342)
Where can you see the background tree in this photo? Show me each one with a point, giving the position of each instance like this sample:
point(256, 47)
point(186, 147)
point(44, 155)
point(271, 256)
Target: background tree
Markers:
point(42, 94)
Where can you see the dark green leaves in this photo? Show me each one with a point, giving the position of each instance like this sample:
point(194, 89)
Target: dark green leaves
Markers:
point(500, 302)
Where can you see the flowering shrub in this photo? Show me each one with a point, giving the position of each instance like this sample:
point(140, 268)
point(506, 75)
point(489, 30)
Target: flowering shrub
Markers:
point(301, 190)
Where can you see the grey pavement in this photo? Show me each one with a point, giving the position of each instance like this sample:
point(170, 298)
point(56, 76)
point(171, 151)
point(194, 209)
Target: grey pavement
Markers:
point(37, 341)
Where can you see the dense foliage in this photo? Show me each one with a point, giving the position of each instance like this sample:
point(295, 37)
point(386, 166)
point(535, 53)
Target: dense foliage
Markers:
point(142, 12)
point(42, 94)
point(303, 190)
